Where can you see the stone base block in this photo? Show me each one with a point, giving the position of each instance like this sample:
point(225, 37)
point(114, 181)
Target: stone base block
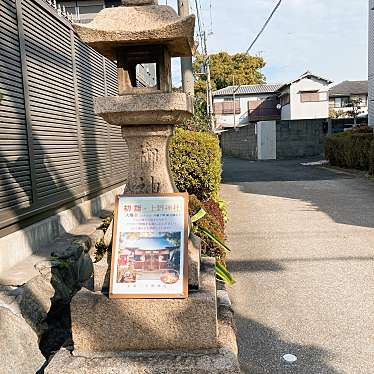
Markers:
point(100, 324)
point(220, 361)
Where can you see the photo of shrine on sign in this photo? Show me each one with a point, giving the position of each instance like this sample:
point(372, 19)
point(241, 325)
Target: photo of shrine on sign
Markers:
point(149, 255)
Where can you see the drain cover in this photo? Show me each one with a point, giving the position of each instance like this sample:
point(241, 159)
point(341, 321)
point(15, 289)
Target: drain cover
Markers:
point(289, 358)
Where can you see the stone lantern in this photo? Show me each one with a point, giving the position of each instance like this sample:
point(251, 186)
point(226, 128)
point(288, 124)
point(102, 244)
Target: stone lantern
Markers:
point(147, 335)
point(142, 32)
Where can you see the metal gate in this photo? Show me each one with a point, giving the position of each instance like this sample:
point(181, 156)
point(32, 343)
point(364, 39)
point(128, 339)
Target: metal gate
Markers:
point(267, 140)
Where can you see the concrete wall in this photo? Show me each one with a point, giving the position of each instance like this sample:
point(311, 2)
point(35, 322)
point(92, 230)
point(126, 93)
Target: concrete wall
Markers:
point(240, 143)
point(308, 110)
point(301, 138)
point(294, 139)
point(19, 245)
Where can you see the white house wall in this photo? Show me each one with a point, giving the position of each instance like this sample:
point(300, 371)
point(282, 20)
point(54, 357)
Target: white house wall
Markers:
point(227, 120)
point(286, 109)
point(308, 110)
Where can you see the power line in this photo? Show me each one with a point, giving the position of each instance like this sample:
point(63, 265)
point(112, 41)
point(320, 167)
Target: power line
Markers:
point(260, 33)
point(200, 26)
point(264, 26)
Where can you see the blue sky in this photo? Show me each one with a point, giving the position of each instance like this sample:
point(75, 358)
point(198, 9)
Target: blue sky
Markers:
point(328, 37)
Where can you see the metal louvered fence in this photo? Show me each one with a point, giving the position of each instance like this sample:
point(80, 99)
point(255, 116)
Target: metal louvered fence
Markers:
point(53, 148)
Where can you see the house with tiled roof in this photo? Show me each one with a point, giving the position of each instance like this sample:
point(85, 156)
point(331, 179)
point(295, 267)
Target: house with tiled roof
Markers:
point(305, 97)
point(341, 96)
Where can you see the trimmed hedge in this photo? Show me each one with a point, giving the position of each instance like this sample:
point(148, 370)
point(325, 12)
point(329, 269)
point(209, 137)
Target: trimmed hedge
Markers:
point(349, 150)
point(195, 160)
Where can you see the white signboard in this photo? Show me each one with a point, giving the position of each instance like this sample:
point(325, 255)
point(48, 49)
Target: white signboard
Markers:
point(149, 255)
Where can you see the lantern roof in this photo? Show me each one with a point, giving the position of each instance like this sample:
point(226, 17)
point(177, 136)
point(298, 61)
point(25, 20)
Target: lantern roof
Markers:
point(126, 26)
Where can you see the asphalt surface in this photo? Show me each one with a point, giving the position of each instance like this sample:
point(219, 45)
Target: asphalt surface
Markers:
point(302, 241)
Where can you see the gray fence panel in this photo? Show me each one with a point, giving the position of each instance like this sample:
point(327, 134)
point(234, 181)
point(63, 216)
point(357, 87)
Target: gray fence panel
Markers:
point(50, 77)
point(53, 148)
point(94, 131)
point(15, 178)
point(119, 150)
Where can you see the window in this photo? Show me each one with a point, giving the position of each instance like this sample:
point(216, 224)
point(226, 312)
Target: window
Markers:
point(341, 102)
point(310, 96)
point(285, 99)
point(227, 107)
point(364, 101)
point(83, 11)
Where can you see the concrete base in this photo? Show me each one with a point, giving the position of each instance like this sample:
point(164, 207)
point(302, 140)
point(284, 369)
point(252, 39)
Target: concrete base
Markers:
point(100, 324)
point(37, 241)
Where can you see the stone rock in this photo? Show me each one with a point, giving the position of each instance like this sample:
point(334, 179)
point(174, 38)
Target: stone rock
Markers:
point(194, 259)
point(101, 274)
point(152, 24)
point(10, 297)
point(138, 109)
point(96, 237)
point(100, 324)
point(218, 361)
point(36, 302)
point(108, 236)
point(32, 301)
point(19, 351)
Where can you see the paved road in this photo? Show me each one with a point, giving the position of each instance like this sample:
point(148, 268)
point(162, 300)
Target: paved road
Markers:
point(302, 243)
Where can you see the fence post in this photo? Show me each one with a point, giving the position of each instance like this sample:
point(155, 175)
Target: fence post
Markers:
point(26, 98)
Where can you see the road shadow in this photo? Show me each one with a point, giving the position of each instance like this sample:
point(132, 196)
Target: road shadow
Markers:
point(236, 170)
point(261, 350)
point(343, 197)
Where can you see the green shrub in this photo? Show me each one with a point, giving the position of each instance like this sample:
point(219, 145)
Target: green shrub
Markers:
point(215, 210)
point(210, 223)
point(349, 150)
point(195, 159)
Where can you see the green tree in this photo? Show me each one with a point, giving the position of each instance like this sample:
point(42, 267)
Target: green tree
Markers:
point(337, 113)
point(223, 67)
point(355, 111)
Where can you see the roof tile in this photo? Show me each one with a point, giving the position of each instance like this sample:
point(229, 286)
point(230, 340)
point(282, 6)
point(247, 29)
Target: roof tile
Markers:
point(249, 89)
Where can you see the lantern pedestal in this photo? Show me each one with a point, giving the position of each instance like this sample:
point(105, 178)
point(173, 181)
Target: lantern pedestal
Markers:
point(100, 324)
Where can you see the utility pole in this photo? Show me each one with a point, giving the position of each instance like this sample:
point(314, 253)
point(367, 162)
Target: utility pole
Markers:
point(209, 85)
point(186, 62)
